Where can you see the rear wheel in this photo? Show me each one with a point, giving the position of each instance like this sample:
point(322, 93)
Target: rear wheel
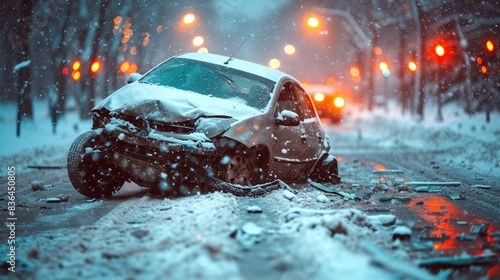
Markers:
point(89, 169)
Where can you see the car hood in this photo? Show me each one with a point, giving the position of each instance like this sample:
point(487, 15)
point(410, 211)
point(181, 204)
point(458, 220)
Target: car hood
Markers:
point(168, 104)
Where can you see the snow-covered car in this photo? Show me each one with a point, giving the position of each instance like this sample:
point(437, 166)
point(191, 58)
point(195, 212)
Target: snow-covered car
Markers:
point(202, 115)
point(328, 100)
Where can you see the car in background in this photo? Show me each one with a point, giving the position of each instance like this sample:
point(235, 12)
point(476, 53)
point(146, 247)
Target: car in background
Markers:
point(202, 115)
point(328, 100)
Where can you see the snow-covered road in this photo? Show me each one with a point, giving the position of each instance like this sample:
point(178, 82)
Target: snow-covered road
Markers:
point(312, 235)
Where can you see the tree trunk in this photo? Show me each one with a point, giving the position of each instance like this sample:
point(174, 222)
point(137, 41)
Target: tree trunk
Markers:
point(24, 103)
point(418, 90)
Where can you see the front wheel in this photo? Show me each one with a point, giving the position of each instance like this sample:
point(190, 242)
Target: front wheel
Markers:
point(89, 168)
point(240, 167)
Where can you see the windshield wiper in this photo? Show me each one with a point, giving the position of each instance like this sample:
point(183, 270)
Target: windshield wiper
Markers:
point(230, 81)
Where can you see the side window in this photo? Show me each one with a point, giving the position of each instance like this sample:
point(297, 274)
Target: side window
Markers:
point(305, 106)
point(286, 100)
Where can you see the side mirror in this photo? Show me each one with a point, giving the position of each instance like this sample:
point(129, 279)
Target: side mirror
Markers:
point(133, 78)
point(287, 118)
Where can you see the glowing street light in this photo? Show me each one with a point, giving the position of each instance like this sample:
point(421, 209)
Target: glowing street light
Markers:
point(274, 63)
point(198, 41)
point(383, 66)
point(313, 21)
point(124, 67)
point(203, 50)
point(289, 49)
point(188, 19)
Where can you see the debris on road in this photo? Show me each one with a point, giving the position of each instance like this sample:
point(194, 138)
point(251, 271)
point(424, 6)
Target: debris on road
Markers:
point(340, 193)
point(386, 259)
point(248, 234)
point(478, 186)
point(427, 189)
point(254, 209)
point(422, 246)
point(37, 186)
point(457, 197)
point(388, 172)
point(465, 237)
point(444, 184)
point(400, 199)
point(289, 195)
point(322, 198)
point(383, 220)
point(91, 200)
point(63, 197)
point(480, 229)
point(401, 233)
point(53, 200)
point(464, 260)
point(239, 190)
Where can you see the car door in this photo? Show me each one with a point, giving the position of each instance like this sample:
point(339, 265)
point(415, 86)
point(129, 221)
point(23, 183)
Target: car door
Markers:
point(289, 142)
point(313, 134)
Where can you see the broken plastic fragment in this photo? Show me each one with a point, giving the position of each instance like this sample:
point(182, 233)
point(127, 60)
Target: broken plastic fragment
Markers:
point(254, 209)
point(401, 233)
point(289, 195)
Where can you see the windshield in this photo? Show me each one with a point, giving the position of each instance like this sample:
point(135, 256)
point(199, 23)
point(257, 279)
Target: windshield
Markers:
point(212, 80)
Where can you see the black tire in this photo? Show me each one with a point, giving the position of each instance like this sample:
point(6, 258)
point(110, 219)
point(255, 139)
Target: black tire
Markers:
point(240, 167)
point(327, 171)
point(97, 179)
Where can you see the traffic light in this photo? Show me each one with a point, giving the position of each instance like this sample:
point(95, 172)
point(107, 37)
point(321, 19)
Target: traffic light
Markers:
point(412, 66)
point(440, 51)
point(490, 46)
point(313, 22)
point(75, 74)
point(76, 65)
point(95, 66)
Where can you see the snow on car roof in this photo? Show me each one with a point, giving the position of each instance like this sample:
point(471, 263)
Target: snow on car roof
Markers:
point(234, 63)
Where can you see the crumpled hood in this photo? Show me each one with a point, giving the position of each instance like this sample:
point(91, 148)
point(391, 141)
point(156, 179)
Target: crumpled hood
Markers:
point(168, 104)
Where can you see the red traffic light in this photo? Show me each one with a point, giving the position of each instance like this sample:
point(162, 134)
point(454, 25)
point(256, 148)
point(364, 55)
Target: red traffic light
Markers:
point(440, 51)
point(412, 65)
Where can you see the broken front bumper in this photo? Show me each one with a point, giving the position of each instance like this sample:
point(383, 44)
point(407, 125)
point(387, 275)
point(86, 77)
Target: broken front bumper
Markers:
point(155, 156)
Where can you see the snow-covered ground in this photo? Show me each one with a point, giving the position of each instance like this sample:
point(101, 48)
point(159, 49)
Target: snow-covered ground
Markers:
point(464, 141)
point(308, 235)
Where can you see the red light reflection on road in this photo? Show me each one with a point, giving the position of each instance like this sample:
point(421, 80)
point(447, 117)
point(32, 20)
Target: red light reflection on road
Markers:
point(379, 167)
point(444, 223)
point(442, 216)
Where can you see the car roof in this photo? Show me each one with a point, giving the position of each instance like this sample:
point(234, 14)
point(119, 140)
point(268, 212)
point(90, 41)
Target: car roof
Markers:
point(234, 63)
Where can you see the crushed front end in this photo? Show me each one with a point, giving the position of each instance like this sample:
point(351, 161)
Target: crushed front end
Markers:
point(153, 153)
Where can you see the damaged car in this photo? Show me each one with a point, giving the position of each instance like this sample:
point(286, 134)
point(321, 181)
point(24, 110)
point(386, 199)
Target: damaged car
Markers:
point(200, 116)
